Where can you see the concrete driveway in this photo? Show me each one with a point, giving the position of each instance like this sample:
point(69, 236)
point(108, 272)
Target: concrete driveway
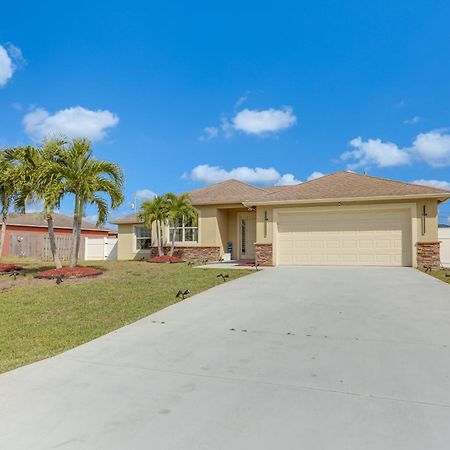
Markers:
point(290, 358)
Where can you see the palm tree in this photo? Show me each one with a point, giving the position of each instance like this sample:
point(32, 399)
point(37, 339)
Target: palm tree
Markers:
point(8, 190)
point(155, 210)
point(89, 180)
point(179, 209)
point(38, 170)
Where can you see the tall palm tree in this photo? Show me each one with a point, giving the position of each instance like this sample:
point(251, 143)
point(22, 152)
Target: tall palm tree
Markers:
point(89, 180)
point(155, 210)
point(40, 179)
point(8, 190)
point(180, 210)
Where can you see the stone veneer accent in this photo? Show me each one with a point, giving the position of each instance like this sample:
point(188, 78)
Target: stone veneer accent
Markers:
point(192, 253)
point(263, 254)
point(428, 254)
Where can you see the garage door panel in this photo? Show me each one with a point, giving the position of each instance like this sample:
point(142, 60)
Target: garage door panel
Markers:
point(381, 237)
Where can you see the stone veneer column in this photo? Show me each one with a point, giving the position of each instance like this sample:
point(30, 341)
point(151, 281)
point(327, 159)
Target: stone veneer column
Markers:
point(264, 254)
point(428, 254)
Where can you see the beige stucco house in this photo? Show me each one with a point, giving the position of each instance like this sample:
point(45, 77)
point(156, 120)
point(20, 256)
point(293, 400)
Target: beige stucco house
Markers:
point(339, 219)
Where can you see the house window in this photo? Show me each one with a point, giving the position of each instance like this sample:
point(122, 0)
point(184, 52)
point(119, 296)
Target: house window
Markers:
point(243, 236)
point(187, 230)
point(143, 237)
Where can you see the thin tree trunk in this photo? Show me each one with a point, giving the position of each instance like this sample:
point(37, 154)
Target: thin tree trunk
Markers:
point(172, 248)
point(3, 233)
point(78, 239)
point(73, 249)
point(51, 237)
point(159, 232)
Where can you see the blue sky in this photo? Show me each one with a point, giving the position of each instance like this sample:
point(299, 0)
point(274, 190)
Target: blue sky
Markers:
point(185, 93)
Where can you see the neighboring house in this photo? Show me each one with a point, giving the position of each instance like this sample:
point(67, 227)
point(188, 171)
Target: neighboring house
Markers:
point(27, 234)
point(444, 238)
point(339, 219)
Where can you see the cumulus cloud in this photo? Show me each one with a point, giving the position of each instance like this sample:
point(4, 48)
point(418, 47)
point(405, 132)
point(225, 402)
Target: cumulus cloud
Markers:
point(6, 66)
point(374, 152)
point(205, 173)
point(93, 218)
point(10, 59)
point(433, 183)
point(315, 175)
point(71, 122)
point(253, 122)
point(145, 194)
point(257, 122)
point(287, 180)
point(412, 121)
point(433, 148)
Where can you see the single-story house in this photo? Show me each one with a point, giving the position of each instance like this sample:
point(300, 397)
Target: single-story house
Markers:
point(25, 233)
point(339, 219)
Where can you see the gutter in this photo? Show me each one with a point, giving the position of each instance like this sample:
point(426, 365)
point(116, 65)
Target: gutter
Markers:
point(348, 199)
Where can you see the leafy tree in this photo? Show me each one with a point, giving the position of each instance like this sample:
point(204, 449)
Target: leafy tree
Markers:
point(155, 210)
point(37, 169)
point(89, 180)
point(8, 191)
point(179, 209)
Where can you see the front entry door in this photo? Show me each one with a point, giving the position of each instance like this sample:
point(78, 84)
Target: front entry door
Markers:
point(247, 235)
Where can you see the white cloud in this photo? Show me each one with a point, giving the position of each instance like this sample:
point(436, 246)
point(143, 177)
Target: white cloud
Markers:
point(6, 66)
point(433, 183)
point(315, 175)
point(91, 219)
point(10, 59)
point(412, 121)
point(433, 148)
point(145, 194)
point(265, 121)
point(375, 152)
point(209, 133)
point(71, 122)
point(287, 180)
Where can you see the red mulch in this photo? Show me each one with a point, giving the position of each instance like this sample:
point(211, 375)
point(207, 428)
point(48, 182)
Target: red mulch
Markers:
point(9, 267)
point(67, 272)
point(165, 259)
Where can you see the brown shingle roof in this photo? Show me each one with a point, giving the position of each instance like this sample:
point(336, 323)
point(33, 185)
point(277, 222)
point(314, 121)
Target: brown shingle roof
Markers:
point(230, 191)
point(37, 219)
point(349, 185)
point(339, 185)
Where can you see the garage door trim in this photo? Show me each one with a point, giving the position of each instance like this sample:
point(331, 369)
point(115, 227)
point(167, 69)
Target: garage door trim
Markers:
point(412, 207)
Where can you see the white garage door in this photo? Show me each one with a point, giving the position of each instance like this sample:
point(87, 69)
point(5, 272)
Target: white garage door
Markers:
point(363, 238)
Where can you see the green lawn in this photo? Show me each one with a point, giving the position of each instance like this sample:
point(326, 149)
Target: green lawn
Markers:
point(440, 274)
point(39, 319)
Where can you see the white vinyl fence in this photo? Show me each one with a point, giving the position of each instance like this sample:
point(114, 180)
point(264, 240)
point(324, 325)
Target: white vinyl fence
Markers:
point(444, 237)
point(100, 249)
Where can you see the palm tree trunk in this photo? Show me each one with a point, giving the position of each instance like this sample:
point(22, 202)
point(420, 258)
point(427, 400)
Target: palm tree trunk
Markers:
point(3, 233)
point(172, 248)
point(159, 237)
point(74, 249)
point(52, 239)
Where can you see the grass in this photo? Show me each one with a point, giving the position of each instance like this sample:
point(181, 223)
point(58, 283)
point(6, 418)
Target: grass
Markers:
point(440, 274)
point(39, 319)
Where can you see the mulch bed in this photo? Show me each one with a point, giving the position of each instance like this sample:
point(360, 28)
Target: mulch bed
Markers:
point(9, 267)
point(68, 272)
point(165, 259)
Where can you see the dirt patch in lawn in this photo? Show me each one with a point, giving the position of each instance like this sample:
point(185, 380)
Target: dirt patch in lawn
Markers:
point(69, 272)
point(165, 259)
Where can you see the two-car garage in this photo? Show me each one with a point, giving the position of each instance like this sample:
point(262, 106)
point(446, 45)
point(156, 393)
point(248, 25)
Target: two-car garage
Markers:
point(363, 237)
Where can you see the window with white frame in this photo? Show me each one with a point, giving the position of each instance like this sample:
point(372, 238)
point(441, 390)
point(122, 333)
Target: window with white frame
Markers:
point(143, 237)
point(186, 230)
